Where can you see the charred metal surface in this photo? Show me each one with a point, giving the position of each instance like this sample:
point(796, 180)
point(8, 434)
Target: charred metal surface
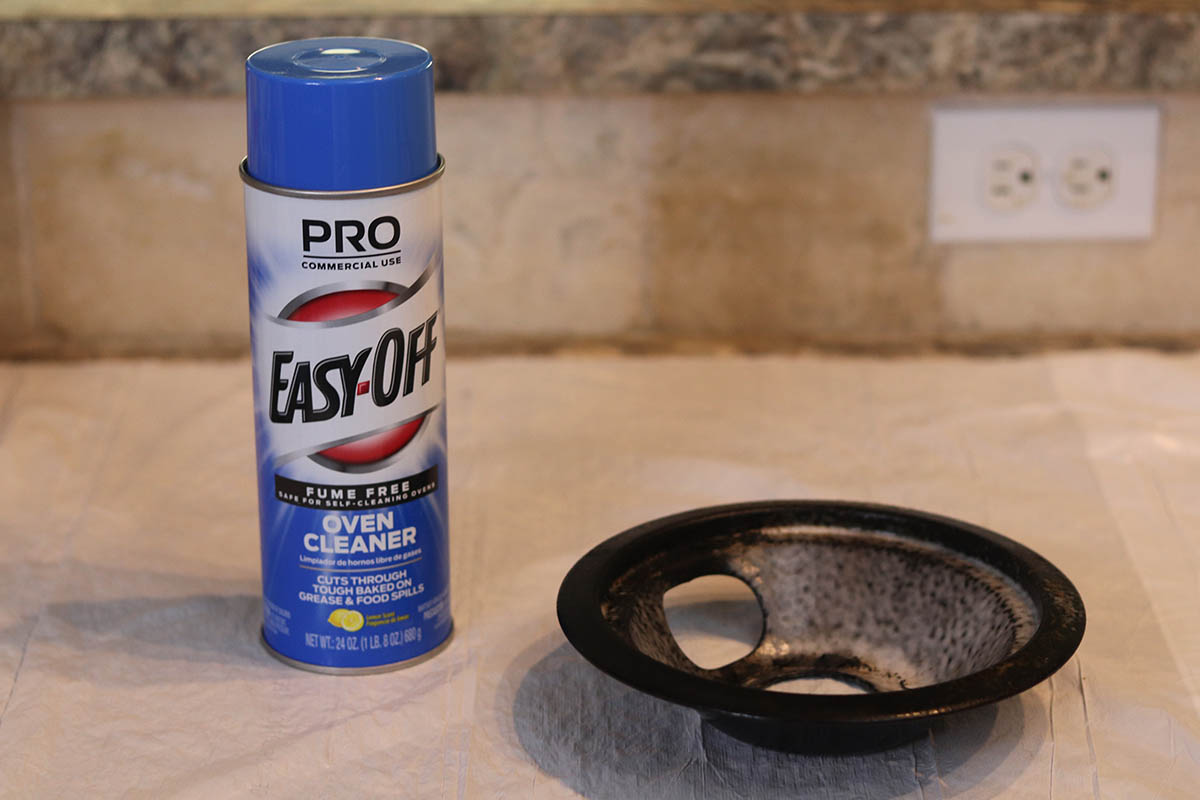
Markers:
point(928, 615)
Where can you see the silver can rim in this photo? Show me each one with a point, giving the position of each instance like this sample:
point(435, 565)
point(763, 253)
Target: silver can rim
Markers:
point(353, 194)
point(376, 670)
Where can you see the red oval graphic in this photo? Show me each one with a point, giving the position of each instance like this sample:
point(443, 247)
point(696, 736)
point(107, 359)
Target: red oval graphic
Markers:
point(339, 305)
point(376, 447)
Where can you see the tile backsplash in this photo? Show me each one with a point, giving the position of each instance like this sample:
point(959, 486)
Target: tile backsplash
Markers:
point(639, 219)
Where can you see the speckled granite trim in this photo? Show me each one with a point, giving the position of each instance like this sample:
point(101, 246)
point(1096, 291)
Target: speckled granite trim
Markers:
point(807, 52)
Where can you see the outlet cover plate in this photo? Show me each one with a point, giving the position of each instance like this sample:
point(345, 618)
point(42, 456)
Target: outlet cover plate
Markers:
point(966, 143)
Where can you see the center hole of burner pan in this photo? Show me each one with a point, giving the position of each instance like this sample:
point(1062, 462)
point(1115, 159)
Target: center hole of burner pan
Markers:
point(820, 684)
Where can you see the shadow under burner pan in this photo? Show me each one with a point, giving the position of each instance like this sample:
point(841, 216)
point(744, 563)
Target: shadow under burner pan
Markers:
point(929, 615)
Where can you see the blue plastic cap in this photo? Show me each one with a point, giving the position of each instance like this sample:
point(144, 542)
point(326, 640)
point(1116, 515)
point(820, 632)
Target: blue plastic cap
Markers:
point(340, 113)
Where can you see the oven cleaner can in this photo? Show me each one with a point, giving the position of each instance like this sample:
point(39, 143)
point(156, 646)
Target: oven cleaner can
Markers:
point(344, 253)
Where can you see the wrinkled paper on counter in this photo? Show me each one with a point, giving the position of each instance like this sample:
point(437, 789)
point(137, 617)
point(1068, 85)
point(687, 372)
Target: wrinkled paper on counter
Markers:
point(129, 657)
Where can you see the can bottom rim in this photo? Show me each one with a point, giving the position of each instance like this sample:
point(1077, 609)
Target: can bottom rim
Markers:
point(324, 670)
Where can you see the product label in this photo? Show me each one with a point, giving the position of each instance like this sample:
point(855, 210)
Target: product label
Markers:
point(346, 323)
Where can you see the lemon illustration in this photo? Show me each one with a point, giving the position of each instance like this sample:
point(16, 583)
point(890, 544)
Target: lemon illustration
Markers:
point(338, 617)
point(352, 621)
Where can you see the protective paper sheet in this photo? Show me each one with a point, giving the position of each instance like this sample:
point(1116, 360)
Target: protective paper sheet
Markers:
point(129, 658)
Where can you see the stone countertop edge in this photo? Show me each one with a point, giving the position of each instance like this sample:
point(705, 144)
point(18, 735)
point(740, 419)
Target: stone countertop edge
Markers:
point(799, 52)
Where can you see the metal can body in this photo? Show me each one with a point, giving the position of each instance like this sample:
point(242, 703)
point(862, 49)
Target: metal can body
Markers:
point(347, 331)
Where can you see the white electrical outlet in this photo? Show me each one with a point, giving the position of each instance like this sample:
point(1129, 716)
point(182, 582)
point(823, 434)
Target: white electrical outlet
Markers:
point(1086, 180)
point(1043, 173)
point(1010, 179)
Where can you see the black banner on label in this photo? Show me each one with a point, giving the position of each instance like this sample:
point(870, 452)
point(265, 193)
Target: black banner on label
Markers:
point(356, 497)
